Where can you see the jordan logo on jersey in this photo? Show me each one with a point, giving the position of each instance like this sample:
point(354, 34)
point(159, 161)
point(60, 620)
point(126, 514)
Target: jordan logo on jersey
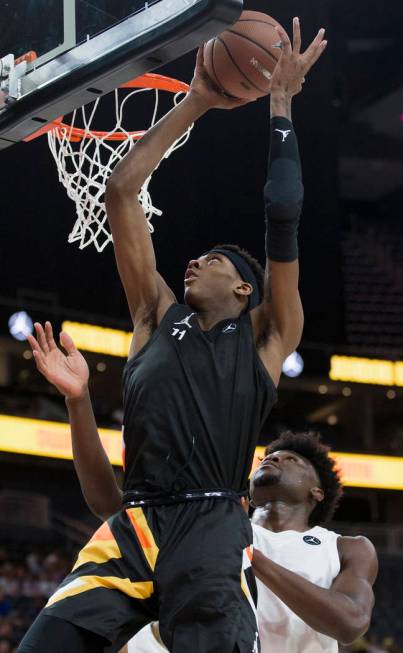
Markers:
point(229, 328)
point(180, 333)
point(310, 539)
point(185, 321)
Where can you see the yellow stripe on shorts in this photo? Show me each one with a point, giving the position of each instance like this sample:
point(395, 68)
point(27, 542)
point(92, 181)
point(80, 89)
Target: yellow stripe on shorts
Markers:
point(136, 590)
point(101, 548)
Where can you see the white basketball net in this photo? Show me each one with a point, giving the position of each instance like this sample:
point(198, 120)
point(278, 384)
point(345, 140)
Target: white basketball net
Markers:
point(85, 166)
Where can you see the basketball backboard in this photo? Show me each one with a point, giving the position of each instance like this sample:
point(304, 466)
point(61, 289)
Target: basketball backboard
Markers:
point(81, 49)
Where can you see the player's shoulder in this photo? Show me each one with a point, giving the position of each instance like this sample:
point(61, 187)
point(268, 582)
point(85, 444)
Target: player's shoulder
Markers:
point(356, 547)
point(359, 557)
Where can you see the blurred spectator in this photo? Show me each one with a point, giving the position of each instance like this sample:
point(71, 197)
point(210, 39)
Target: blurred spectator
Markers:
point(5, 604)
point(5, 646)
point(26, 582)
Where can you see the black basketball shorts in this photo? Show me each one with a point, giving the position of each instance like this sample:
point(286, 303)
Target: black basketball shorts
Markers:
point(186, 565)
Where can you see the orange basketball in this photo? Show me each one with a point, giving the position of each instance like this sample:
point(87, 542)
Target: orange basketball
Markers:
point(241, 60)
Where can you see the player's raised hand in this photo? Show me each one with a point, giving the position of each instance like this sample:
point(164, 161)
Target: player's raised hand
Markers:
point(207, 92)
point(68, 373)
point(294, 65)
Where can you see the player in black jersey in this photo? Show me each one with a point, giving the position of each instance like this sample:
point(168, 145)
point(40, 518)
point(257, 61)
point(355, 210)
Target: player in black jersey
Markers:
point(199, 383)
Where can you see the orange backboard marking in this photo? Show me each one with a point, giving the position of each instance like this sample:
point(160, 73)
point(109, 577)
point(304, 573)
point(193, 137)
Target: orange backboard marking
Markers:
point(29, 57)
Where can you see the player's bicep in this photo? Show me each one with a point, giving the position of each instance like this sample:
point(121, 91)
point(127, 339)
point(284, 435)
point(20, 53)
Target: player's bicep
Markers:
point(357, 588)
point(359, 568)
point(278, 321)
point(133, 249)
point(283, 301)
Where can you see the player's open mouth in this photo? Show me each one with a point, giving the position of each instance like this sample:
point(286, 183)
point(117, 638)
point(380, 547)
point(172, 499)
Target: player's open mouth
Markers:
point(190, 275)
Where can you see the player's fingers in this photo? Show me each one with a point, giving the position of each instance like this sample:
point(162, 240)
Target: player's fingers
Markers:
point(285, 42)
point(308, 63)
point(67, 342)
point(49, 336)
point(296, 36)
point(39, 360)
point(200, 57)
point(321, 48)
point(313, 47)
point(310, 57)
point(34, 344)
point(41, 337)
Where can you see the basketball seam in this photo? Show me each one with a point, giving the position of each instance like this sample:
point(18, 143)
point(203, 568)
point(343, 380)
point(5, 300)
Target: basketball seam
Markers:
point(214, 71)
point(261, 90)
point(255, 20)
point(247, 38)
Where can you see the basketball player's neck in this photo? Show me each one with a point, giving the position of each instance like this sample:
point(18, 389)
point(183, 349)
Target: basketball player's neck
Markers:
point(209, 316)
point(278, 516)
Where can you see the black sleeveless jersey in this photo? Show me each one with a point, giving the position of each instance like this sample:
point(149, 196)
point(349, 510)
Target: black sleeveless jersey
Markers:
point(194, 404)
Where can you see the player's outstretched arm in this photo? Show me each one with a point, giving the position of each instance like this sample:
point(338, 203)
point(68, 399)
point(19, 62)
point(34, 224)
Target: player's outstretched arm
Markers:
point(280, 313)
point(147, 296)
point(69, 374)
point(342, 612)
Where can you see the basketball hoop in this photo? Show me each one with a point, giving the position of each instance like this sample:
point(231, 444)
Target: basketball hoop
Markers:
point(85, 157)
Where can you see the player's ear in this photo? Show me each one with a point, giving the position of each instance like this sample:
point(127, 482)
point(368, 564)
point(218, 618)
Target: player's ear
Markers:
point(317, 493)
point(243, 288)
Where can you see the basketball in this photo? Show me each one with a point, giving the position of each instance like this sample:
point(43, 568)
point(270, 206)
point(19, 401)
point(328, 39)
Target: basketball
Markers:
point(241, 60)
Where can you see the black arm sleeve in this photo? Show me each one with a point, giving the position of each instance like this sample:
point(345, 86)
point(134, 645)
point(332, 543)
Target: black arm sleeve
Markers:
point(283, 193)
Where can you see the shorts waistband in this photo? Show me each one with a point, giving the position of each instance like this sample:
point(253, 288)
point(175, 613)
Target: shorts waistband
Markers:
point(132, 498)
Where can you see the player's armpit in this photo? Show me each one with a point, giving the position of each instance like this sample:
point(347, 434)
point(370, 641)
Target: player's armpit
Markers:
point(147, 323)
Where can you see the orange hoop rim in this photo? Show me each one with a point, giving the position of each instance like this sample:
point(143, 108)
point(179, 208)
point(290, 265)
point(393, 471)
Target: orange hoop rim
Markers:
point(146, 81)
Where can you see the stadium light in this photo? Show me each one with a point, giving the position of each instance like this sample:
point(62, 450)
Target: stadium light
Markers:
point(366, 370)
point(293, 365)
point(20, 325)
point(34, 437)
point(99, 340)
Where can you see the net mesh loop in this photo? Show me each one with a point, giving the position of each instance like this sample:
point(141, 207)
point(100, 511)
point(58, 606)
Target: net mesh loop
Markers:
point(85, 159)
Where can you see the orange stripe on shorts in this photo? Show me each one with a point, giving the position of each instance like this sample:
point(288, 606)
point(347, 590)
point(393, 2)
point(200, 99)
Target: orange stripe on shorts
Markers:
point(144, 535)
point(145, 543)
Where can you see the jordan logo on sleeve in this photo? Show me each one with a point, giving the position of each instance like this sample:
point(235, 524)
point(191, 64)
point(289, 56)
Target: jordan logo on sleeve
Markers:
point(284, 132)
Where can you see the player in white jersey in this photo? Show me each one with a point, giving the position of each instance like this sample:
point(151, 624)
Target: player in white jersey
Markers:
point(314, 586)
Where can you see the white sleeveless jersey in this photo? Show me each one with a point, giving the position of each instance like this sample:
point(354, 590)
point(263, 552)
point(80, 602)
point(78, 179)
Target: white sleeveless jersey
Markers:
point(145, 642)
point(313, 555)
